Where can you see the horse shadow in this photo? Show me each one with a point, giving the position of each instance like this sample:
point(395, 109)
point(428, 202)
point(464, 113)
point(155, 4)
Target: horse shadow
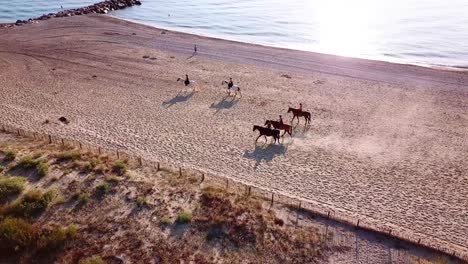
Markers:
point(265, 153)
point(179, 98)
point(224, 104)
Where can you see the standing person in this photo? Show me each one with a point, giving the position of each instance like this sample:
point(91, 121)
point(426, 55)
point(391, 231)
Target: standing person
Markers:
point(195, 48)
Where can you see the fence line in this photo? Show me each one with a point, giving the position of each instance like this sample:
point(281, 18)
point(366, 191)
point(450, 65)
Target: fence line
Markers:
point(317, 208)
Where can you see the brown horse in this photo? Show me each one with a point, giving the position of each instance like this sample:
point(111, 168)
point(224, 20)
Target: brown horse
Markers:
point(277, 125)
point(267, 132)
point(298, 113)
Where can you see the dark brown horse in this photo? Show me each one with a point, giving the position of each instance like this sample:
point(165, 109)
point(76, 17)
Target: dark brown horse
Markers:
point(298, 113)
point(267, 132)
point(277, 125)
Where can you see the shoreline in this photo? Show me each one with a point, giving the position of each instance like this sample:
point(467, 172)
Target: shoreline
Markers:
point(104, 7)
point(378, 131)
point(463, 69)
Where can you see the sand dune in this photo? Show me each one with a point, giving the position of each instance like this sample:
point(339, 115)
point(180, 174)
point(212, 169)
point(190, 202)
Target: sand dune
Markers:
point(386, 141)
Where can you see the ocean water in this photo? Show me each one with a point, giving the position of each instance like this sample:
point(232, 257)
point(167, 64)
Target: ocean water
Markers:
point(423, 32)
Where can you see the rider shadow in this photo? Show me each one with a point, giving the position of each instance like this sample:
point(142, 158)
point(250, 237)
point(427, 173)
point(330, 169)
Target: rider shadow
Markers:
point(224, 104)
point(265, 153)
point(180, 98)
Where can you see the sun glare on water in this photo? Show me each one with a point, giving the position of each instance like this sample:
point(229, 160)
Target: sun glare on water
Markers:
point(346, 27)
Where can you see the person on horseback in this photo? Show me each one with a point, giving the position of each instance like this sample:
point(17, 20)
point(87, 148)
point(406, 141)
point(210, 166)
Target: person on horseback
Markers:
point(230, 84)
point(300, 107)
point(281, 121)
point(187, 81)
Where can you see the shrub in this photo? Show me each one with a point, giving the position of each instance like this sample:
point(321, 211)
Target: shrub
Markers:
point(42, 169)
point(100, 168)
point(32, 203)
point(82, 198)
point(92, 260)
point(102, 188)
point(56, 237)
point(27, 162)
point(37, 155)
point(67, 156)
point(141, 201)
point(165, 221)
point(16, 235)
point(10, 155)
point(120, 167)
point(184, 217)
point(87, 167)
point(113, 179)
point(11, 186)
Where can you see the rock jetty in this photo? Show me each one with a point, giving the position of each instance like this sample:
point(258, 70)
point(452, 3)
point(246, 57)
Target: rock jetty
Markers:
point(103, 7)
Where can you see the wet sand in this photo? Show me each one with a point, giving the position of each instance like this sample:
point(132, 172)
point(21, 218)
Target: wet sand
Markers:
point(388, 142)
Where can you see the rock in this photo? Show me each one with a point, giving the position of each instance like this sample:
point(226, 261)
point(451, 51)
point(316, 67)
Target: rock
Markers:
point(64, 120)
point(99, 8)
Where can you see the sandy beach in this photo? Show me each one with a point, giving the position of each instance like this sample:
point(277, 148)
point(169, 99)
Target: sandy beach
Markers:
point(387, 141)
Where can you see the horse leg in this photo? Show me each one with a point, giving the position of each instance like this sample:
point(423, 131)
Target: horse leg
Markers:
point(258, 138)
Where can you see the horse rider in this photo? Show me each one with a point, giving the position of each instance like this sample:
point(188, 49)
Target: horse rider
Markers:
point(187, 81)
point(300, 107)
point(281, 121)
point(269, 125)
point(230, 84)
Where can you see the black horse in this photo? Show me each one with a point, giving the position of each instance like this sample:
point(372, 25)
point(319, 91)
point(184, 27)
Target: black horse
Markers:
point(298, 113)
point(279, 126)
point(267, 132)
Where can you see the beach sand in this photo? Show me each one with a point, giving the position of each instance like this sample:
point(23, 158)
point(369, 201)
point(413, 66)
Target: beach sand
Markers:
point(388, 142)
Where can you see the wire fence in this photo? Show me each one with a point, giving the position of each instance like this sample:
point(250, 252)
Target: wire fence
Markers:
point(321, 209)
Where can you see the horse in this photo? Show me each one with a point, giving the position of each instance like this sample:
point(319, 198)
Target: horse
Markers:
point(186, 84)
point(298, 113)
point(267, 132)
point(234, 89)
point(277, 125)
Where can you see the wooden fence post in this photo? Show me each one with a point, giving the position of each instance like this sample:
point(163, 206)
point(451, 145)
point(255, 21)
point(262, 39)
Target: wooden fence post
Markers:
point(81, 147)
point(99, 150)
point(159, 167)
point(63, 142)
point(250, 190)
point(18, 132)
point(297, 213)
point(140, 162)
point(272, 199)
point(357, 223)
point(118, 155)
point(202, 177)
point(227, 184)
point(50, 139)
point(180, 171)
